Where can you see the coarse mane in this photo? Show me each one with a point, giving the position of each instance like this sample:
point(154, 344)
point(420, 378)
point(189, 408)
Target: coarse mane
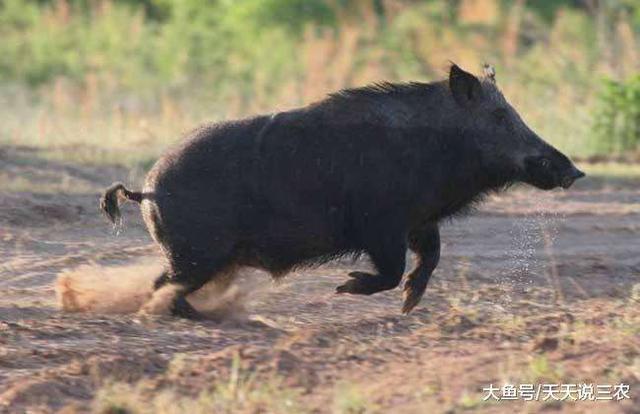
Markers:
point(384, 89)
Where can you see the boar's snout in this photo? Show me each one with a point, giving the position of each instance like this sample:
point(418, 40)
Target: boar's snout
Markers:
point(550, 169)
point(571, 177)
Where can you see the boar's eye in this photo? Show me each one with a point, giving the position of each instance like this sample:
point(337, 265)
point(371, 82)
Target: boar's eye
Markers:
point(545, 163)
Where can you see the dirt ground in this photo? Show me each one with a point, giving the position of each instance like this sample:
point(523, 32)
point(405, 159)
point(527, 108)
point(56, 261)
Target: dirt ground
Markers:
point(535, 287)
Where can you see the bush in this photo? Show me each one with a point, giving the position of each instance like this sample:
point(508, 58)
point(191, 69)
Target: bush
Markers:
point(617, 116)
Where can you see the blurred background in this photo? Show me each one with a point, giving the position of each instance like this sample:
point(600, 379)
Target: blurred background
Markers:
point(117, 81)
point(533, 288)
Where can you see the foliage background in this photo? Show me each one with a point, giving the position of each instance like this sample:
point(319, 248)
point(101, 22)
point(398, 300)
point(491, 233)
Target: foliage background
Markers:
point(119, 80)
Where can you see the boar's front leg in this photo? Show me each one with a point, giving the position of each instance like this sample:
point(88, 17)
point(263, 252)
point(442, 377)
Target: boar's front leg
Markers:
point(425, 242)
point(387, 248)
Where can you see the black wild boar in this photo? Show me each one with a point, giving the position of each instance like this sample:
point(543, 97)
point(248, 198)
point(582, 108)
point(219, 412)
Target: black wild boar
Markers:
point(370, 170)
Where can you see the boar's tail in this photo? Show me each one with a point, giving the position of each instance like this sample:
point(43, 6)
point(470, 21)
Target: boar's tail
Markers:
point(110, 200)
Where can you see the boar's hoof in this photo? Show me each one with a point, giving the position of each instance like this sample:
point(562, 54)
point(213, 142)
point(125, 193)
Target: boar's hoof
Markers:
point(362, 283)
point(182, 309)
point(412, 296)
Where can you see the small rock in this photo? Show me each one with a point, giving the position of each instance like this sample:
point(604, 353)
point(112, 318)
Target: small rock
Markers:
point(285, 362)
point(546, 344)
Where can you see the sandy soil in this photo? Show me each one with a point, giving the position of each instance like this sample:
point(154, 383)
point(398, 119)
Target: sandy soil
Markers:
point(533, 288)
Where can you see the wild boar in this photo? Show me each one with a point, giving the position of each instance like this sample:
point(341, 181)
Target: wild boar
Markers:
point(368, 170)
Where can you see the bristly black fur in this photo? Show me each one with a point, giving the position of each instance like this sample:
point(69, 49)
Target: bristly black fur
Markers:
point(367, 170)
point(386, 89)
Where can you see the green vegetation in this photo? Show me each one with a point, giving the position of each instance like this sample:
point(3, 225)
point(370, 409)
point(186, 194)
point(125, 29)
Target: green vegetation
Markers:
point(119, 80)
point(617, 120)
point(241, 393)
point(540, 368)
point(352, 399)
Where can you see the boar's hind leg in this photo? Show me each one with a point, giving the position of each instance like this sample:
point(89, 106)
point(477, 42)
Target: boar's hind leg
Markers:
point(189, 274)
point(425, 242)
point(387, 250)
point(180, 306)
point(161, 280)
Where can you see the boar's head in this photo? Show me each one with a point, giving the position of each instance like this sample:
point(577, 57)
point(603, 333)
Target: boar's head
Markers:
point(506, 143)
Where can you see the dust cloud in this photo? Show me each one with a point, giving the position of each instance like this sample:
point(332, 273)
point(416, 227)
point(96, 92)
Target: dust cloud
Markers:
point(128, 289)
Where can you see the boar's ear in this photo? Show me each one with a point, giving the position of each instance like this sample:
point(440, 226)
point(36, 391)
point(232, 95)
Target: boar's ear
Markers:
point(465, 87)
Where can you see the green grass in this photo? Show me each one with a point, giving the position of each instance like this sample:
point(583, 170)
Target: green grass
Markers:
point(540, 368)
point(351, 399)
point(227, 398)
point(241, 392)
